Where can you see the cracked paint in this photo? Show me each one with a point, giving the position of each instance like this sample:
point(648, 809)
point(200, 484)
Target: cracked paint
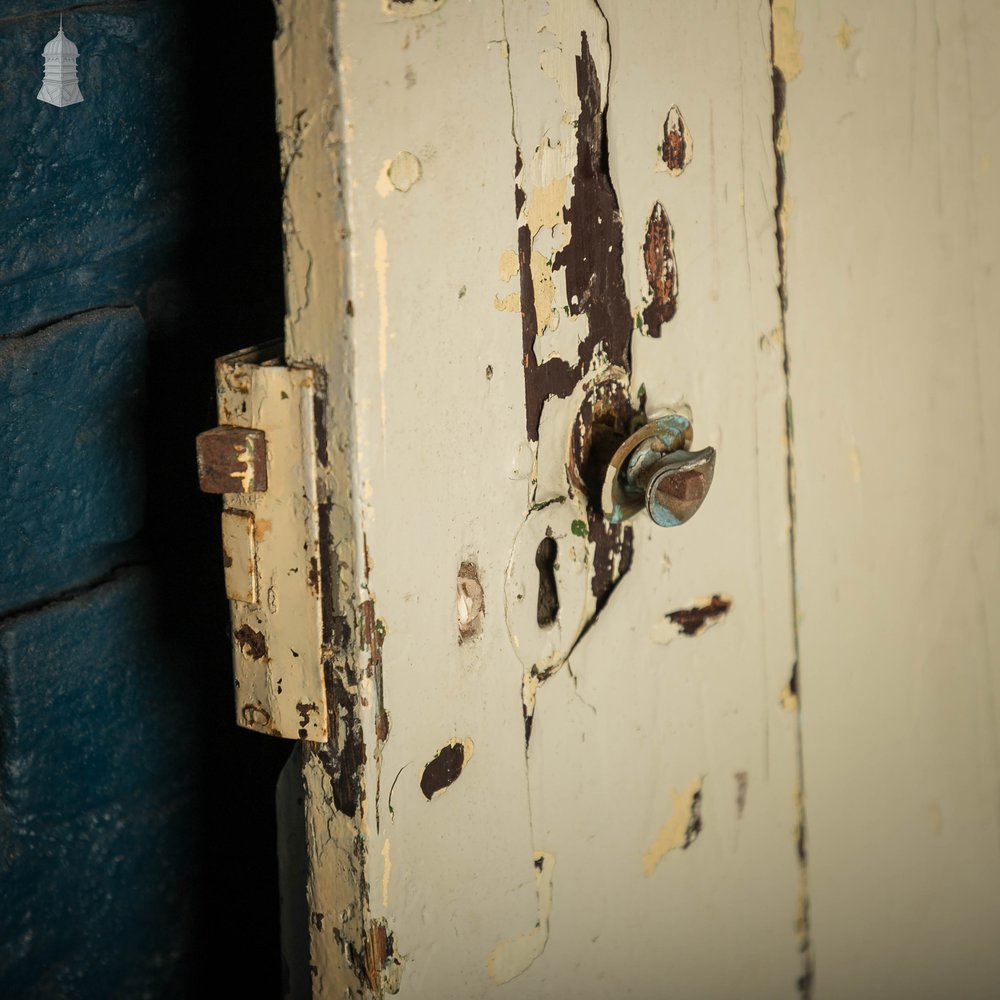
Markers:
point(514, 956)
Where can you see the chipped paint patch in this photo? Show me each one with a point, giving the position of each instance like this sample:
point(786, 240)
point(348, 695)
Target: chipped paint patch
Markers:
point(386, 870)
point(516, 955)
point(251, 642)
point(692, 621)
point(789, 699)
point(509, 303)
point(544, 293)
point(545, 206)
point(843, 36)
point(470, 601)
point(508, 265)
point(382, 968)
point(680, 831)
point(677, 149)
point(444, 769)
point(404, 171)
point(661, 271)
point(787, 41)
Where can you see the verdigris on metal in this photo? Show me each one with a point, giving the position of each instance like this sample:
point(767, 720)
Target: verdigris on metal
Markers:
point(653, 469)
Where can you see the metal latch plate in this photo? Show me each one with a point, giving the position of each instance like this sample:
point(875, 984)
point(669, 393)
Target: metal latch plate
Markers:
point(271, 549)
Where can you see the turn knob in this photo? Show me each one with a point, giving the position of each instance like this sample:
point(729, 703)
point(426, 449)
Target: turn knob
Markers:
point(653, 469)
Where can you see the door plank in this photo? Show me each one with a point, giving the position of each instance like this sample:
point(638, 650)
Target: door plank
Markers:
point(893, 139)
point(650, 810)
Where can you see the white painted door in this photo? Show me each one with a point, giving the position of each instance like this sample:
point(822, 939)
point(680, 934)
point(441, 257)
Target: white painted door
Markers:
point(514, 230)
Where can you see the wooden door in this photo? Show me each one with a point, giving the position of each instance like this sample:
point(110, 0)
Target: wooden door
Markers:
point(513, 232)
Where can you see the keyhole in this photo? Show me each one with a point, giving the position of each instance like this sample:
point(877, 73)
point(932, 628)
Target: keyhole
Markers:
point(548, 596)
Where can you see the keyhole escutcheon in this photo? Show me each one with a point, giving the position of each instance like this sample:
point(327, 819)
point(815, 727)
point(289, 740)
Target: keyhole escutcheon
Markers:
point(548, 596)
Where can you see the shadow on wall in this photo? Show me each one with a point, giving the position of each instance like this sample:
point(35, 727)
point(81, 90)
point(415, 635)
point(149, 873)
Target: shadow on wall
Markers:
point(142, 240)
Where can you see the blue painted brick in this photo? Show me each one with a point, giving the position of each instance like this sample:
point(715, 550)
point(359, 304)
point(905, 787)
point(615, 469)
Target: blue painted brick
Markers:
point(93, 194)
point(96, 813)
point(71, 441)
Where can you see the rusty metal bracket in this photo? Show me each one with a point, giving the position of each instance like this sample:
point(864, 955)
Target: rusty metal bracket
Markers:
point(270, 535)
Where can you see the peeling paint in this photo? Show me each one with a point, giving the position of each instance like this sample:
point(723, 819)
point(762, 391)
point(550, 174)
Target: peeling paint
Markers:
point(514, 956)
point(386, 871)
point(692, 621)
point(508, 303)
point(678, 147)
point(680, 831)
point(382, 968)
point(444, 769)
point(591, 260)
point(251, 642)
point(788, 699)
point(470, 600)
point(787, 41)
point(661, 271)
point(508, 265)
point(546, 206)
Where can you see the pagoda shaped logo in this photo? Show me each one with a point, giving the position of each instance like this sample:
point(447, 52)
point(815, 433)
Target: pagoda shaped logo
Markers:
point(60, 86)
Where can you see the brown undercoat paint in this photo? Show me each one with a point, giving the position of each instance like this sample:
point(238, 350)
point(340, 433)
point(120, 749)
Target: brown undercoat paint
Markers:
point(443, 770)
point(691, 621)
point(661, 271)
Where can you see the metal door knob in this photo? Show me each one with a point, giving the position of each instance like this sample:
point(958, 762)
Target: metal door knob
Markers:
point(654, 469)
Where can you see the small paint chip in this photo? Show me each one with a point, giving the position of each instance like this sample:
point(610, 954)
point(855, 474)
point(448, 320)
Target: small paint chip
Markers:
point(445, 768)
point(661, 271)
point(692, 621)
point(680, 831)
point(404, 171)
point(677, 147)
point(251, 642)
point(470, 600)
point(843, 36)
